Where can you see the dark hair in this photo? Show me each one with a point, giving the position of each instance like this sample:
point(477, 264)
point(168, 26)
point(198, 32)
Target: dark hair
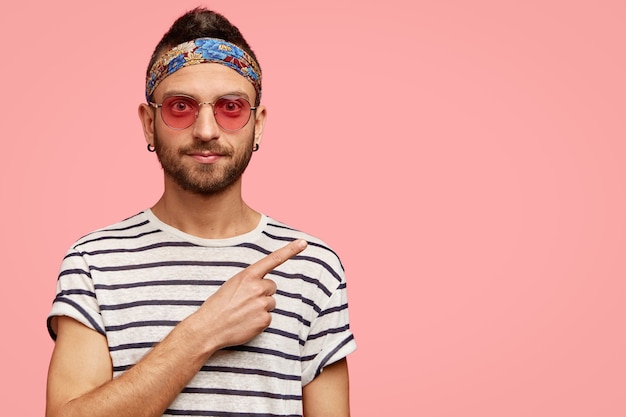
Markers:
point(200, 23)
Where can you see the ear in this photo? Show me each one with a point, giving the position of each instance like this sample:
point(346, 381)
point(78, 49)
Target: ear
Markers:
point(146, 117)
point(259, 124)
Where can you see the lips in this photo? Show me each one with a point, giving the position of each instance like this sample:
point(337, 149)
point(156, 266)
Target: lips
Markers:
point(205, 157)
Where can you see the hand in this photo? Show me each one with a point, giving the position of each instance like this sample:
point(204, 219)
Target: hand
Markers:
point(240, 309)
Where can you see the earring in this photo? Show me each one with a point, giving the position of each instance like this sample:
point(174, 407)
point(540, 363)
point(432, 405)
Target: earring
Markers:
point(151, 148)
point(256, 147)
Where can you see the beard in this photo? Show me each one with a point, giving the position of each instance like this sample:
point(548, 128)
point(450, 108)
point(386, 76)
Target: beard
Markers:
point(203, 179)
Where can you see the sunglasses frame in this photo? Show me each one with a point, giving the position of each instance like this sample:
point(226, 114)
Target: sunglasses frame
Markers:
point(201, 103)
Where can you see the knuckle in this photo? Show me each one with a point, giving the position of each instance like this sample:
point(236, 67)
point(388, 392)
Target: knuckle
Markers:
point(244, 274)
point(266, 320)
point(259, 289)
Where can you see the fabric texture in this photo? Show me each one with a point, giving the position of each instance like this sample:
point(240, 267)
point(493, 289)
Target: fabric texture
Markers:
point(201, 51)
point(135, 280)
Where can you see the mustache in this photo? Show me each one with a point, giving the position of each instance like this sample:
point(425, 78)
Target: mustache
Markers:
point(206, 147)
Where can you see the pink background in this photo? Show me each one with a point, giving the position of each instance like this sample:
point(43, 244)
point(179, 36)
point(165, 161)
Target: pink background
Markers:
point(465, 158)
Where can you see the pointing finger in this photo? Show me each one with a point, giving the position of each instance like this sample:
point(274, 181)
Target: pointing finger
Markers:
point(279, 256)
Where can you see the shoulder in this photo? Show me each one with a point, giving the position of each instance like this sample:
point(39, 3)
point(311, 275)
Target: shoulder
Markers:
point(135, 226)
point(280, 231)
point(136, 230)
point(318, 250)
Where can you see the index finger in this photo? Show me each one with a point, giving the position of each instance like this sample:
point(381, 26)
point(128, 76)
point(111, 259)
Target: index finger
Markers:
point(279, 256)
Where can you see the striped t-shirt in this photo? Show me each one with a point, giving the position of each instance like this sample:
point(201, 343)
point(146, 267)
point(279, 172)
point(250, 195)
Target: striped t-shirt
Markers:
point(135, 280)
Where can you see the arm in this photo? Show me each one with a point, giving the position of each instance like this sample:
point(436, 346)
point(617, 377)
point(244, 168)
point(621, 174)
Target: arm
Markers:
point(328, 394)
point(80, 378)
point(80, 375)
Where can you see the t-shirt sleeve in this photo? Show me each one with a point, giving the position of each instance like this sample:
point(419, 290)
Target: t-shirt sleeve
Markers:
point(75, 294)
point(330, 338)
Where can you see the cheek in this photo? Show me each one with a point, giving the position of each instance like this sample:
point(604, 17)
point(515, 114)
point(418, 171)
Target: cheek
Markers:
point(168, 138)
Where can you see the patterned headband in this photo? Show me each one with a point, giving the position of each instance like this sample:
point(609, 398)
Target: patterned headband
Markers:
point(200, 51)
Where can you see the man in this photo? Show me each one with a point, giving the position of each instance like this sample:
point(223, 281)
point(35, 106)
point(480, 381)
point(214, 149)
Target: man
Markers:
point(200, 306)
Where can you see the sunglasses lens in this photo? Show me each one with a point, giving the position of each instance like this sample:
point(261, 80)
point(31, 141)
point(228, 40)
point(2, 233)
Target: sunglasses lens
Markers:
point(231, 112)
point(179, 112)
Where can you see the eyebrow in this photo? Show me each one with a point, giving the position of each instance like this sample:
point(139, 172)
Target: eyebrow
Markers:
point(177, 92)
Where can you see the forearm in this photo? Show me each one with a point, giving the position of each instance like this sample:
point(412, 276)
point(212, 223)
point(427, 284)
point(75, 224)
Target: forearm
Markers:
point(149, 387)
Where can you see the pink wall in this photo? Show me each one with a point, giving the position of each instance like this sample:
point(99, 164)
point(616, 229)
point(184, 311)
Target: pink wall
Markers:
point(466, 159)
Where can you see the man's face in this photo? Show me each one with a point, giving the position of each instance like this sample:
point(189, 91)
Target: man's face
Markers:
point(204, 158)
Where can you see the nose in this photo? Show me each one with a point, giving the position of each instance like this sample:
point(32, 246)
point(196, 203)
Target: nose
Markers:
point(205, 126)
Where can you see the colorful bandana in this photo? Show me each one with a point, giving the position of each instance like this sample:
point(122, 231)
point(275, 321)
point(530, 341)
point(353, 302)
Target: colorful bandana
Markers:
point(200, 51)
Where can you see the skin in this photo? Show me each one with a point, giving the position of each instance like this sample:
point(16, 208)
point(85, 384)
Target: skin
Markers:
point(80, 381)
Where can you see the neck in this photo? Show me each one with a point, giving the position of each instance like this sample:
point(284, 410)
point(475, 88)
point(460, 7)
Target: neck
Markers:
point(211, 216)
